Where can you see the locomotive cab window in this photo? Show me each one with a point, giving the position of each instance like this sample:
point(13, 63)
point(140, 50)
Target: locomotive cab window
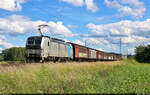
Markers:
point(31, 42)
point(34, 43)
point(38, 41)
point(34, 40)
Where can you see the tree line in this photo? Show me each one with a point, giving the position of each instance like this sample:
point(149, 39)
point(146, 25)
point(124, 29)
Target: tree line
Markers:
point(142, 53)
point(14, 54)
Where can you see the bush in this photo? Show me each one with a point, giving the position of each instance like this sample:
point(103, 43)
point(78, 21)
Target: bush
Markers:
point(14, 54)
point(142, 53)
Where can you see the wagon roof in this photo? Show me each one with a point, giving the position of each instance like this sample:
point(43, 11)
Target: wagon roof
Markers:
point(85, 47)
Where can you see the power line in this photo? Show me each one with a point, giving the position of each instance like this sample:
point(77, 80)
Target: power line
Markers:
point(85, 43)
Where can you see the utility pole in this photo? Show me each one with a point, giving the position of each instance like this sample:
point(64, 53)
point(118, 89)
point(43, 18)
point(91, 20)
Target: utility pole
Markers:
point(120, 46)
point(85, 43)
point(40, 27)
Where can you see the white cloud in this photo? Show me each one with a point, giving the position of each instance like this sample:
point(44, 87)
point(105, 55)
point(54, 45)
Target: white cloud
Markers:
point(5, 44)
point(91, 42)
point(75, 2)
point(2, 37)
point(91, 6)
point(20, 25)
point(123, 28)
point(130, 51)
point(59, 29)
point(128, 40)
point(95, 42)
point(97, 30)
point(112, 47)
point(132, 33)
point(79, 42)
point(16, 25)
point(134, 8)
point(11, 5)
point(99, 49)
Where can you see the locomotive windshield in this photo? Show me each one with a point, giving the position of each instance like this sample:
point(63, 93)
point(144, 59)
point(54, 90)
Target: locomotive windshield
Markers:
point(34, 43)
point(30, 42)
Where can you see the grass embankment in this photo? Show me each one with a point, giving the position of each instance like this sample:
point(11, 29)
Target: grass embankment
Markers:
point(99, 77)
point(11, 62)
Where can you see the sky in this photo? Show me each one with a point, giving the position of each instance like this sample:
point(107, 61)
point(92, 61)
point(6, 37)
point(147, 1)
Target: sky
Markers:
point(102, 24)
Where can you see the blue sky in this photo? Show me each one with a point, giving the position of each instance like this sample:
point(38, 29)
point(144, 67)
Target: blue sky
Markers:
point(101, 23)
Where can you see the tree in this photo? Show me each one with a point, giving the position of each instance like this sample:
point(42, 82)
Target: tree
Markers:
point(14, 54)
point(1, 57)
point(142, 53)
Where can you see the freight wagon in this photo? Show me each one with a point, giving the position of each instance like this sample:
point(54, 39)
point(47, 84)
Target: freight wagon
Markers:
point(92, 54)
point(79, 52)
point(100, 55)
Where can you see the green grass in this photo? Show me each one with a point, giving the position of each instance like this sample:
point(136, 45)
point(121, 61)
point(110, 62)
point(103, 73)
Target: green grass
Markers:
point(11, 62)
point(116, 77)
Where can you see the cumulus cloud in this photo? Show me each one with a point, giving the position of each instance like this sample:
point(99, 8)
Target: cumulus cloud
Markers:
point(11, 5)
point(79, 42)
point(130, 51)
point(59, 29)
point(97, 30)
point(20, 25)
point(95, 41)
point(132, 33)
point(134, 8)
point(122, 29)
point(112, 47)
point(17, 25)
point(99, 49)
point(5, 44)
point(91, 6)
point(75, 2)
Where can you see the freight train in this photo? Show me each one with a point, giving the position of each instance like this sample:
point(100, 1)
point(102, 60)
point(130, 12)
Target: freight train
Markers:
point(44, 48)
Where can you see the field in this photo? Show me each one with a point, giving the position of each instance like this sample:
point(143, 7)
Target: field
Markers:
point(96, 77)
